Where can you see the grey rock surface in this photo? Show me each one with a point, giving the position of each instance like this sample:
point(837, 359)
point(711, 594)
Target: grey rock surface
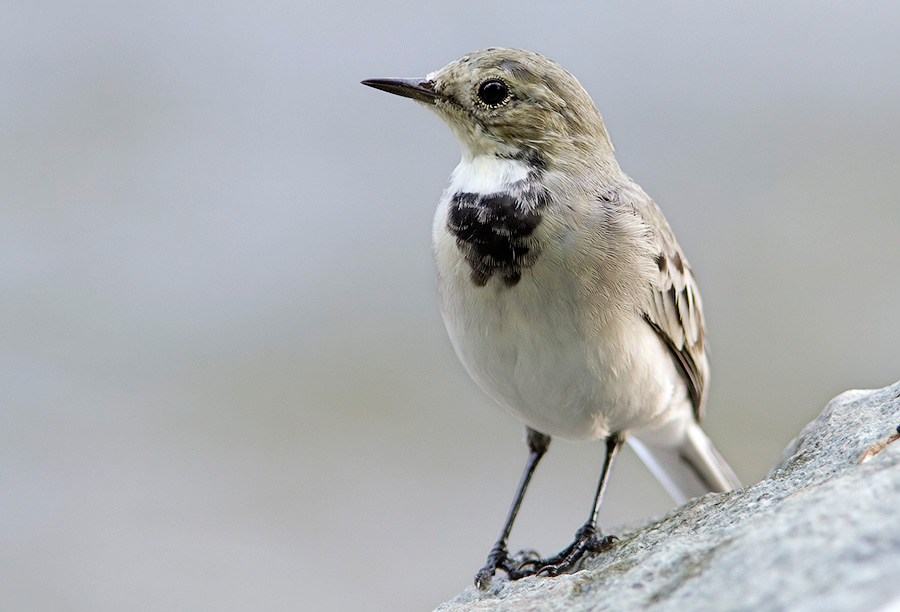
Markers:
point(821, 532)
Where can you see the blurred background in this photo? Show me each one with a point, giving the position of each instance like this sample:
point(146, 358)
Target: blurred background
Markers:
point(224, 381)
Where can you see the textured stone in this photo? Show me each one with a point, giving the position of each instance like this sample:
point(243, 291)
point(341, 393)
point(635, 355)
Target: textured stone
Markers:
point(821, 532)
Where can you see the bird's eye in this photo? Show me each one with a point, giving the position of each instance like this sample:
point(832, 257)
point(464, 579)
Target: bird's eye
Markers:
point(493, 91)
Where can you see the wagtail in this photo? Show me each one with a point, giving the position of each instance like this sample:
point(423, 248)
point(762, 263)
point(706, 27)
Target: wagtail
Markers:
point(564, 291)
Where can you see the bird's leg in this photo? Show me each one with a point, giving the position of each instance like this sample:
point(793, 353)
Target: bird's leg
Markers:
point(586, 538)
point(499, 556)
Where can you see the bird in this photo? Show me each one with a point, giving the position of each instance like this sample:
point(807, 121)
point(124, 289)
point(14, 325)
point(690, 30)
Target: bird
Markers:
point(564, 293)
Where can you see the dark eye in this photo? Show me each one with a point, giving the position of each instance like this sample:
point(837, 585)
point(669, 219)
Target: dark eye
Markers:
point(492, 92)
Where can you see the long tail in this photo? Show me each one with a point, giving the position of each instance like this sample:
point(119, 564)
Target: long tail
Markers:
point(690, 469)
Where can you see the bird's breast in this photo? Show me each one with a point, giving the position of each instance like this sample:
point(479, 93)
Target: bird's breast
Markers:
point(510, 309)
point(536, 318)
point(495, 234)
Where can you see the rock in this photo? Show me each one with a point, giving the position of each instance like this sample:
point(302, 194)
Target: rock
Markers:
point(821, 532)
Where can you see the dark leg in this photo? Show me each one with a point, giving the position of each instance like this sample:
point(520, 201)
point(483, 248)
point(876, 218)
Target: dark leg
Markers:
point(586, 538)
point(499, 556)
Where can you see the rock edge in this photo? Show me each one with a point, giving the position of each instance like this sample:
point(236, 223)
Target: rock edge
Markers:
point(821, 532)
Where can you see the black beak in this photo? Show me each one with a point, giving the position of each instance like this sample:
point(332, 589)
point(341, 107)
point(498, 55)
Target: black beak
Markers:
point(420, 90)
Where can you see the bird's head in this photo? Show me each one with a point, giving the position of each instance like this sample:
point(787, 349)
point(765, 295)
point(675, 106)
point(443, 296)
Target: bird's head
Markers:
point(510, 103)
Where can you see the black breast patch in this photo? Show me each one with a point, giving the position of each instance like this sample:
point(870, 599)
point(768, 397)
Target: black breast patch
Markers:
point(494, 233)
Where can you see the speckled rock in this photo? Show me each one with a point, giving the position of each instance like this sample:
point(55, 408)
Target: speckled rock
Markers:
point(821, 532)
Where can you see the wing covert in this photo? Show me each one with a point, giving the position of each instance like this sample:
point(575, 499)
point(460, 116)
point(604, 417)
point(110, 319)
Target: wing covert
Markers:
point(675, 314)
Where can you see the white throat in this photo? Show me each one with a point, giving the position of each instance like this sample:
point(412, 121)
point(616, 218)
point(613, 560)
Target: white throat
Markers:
point(487, 174)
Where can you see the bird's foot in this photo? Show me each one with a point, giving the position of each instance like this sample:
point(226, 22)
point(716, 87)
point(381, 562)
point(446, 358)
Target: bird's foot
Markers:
point(499, 559)
point(529, 562)
point(586, 540)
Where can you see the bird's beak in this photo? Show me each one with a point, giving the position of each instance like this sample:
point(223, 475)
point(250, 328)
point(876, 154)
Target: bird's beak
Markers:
point(420, 90)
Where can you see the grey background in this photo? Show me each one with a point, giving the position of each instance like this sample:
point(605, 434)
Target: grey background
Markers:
point(224, 382)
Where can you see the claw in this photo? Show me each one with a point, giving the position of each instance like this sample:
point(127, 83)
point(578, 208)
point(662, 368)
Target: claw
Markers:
point(498, 558)
point(483, 578)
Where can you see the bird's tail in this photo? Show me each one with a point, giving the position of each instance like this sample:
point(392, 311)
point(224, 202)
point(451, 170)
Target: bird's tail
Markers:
point(689, 469)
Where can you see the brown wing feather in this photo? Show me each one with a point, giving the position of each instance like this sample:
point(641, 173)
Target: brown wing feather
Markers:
point(675, 314)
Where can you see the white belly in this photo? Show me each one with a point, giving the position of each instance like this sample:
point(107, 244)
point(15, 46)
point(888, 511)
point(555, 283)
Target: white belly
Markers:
point(549, 357)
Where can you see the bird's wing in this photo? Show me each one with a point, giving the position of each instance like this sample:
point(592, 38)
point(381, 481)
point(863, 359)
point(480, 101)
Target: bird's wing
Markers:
point(674, 310)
